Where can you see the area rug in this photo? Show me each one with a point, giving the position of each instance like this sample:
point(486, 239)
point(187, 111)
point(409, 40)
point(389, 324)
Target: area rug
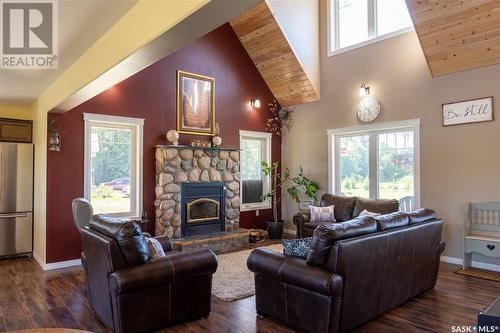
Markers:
point(480, 273)
point(233, 280)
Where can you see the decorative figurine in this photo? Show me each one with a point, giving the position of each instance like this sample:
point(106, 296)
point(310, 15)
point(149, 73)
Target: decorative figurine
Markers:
point(173, 137)
point(217, 140)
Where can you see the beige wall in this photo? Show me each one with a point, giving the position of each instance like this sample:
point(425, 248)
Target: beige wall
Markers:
point(458, 164)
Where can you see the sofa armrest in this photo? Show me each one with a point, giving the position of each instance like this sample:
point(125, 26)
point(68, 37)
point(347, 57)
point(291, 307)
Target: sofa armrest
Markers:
point(299, 219)
point(294, 271)
point(166, 243)
point(175, 266)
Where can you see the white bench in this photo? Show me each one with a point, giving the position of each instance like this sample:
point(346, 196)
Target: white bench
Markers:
point(482, 231)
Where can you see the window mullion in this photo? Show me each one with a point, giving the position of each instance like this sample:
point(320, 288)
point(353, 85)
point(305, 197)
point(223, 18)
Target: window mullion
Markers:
point(373, 165)
point(336, 23)
point(372, 18)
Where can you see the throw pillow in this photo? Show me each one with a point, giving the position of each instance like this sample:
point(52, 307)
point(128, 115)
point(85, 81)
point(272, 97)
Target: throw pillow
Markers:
point(296, 247)
point(155, 249)
point(367, 213)
point(322, 214)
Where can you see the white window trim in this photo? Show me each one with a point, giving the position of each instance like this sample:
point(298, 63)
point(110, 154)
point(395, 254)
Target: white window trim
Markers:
point(267, 179)
point(333, 167)
point(377, 39)
point(138, 124)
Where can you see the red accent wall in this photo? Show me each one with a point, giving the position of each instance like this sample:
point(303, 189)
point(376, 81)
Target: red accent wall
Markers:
point(151, 94)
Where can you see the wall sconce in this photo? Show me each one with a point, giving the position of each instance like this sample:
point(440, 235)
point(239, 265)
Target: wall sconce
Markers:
point(364, 90)
point(255, 103)
point(54, 137)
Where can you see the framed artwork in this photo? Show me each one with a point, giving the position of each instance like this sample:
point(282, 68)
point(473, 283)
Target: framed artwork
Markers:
point(304, 204)
point(471, 111)
point(195, 103)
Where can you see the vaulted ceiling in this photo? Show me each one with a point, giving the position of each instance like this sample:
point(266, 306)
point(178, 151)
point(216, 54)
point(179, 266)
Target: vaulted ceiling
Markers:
point(267, 45)
point(457, 35)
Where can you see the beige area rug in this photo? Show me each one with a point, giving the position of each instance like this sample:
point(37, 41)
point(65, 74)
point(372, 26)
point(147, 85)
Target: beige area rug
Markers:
point(233, 280)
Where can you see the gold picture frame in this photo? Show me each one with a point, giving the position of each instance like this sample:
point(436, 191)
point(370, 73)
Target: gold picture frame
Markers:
point(195, 103)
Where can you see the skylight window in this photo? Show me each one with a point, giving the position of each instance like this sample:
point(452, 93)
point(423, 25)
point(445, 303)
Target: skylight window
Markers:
point(355, 23)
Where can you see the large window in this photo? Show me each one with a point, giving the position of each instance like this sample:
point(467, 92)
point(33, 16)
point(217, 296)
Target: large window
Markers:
point(255, 148)
point(355, 23)
point(113, 164)
point(377, 161)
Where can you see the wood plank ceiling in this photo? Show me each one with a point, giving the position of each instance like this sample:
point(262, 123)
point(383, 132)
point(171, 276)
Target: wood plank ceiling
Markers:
point(266, 44)
point(457, 35)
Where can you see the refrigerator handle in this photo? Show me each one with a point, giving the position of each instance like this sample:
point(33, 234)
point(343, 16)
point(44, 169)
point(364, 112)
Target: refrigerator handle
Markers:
point(14, 215)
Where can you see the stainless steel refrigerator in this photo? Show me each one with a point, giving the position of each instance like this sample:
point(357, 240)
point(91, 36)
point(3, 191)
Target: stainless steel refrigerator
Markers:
point(16, 199)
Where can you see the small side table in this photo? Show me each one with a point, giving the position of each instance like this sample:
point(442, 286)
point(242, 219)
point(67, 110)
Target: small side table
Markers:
point(489, 320)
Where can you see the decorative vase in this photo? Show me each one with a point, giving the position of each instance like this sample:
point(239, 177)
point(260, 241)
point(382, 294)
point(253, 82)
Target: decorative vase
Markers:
point(216, 141)
point(173, 137)
point(274, 229)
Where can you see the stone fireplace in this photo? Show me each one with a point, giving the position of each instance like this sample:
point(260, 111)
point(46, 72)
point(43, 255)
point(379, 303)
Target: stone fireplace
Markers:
point(178, 166)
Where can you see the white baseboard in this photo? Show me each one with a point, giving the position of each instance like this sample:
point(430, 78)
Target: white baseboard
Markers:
point(56, 265)
point(475, 264)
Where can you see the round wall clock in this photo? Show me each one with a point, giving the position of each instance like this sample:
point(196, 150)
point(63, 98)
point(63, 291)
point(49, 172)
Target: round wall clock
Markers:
point(369, 109)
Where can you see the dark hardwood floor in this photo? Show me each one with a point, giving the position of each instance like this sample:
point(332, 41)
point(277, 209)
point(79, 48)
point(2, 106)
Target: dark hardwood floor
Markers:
point(31, 298)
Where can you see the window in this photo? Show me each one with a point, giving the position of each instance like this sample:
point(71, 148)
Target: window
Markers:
point(377, 161)
point(255, 148)
point(113, 164)
point(355, 23)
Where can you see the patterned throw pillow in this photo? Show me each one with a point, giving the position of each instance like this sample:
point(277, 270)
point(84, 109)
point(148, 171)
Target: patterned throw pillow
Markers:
point(322, 214)
point(155, 249)
point(296, 247)
point(367, 213)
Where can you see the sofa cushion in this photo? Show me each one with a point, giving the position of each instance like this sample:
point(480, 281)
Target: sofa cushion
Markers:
point(421, 215)
point(343, 206)
point(127, 234)
point(325, 235)
point(296, 247)
point(390, 221)
point(322, 213)
point(382, 206)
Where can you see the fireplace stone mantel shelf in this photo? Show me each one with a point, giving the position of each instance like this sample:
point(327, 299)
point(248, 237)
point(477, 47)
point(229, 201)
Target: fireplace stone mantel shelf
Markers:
point(198, 148)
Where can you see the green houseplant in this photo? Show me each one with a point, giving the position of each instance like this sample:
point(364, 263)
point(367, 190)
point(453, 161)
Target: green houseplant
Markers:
point(281, 183)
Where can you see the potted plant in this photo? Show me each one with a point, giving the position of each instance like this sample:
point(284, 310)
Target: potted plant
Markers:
point(293, 186)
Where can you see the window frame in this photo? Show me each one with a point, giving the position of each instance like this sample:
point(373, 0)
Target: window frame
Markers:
point(136, 125)
point(372, 131)
point(266, 179)
point(332, 29)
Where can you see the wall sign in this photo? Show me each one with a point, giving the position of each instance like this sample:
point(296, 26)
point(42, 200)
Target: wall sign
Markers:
point(473, 111)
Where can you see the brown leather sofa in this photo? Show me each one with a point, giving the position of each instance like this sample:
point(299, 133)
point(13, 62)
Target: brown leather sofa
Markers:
point(130, 296)
point(354, 271)
point(346, 208)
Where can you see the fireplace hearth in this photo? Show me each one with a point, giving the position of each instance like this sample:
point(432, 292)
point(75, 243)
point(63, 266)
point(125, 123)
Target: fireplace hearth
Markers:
point(202, 208)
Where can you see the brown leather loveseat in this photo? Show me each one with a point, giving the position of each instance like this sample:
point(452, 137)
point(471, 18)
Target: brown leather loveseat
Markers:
point(354, 271)
point(130, 295)
point(346, 208)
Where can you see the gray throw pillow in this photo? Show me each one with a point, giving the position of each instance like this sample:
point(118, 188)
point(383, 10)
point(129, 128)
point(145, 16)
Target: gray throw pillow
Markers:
point(296, 247)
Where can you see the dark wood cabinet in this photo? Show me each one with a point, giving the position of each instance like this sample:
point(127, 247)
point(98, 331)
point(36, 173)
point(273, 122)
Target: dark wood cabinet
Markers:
point(13, 130)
